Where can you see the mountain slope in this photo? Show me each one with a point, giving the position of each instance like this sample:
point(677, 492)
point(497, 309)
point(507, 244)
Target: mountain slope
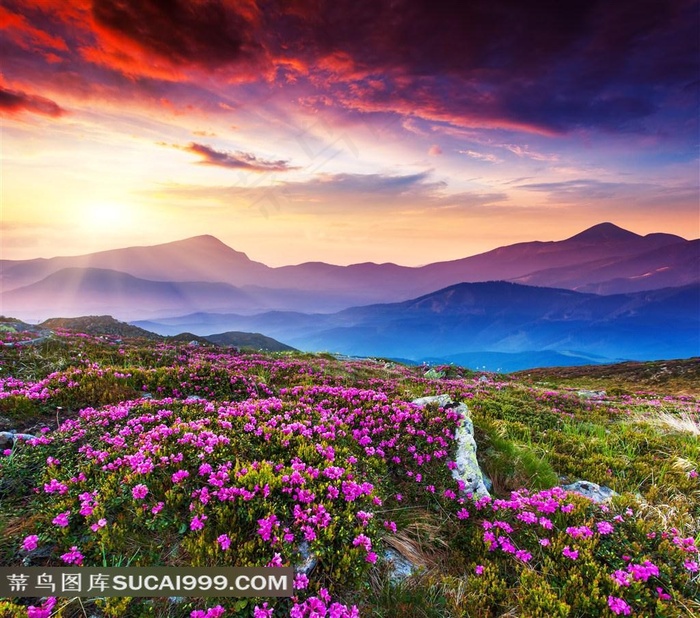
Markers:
point(72, 292)
point(201, 258)
point(671, 265)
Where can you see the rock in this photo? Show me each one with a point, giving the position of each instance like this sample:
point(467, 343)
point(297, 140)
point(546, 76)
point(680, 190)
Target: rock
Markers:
point(443, 401)
point(592, 491)
point(309, 560)
point(467, 470)
point(8, 438)
point(586, 394)
point(400, 568)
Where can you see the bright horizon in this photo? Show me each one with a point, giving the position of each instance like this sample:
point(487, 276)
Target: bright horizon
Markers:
point(343, 132)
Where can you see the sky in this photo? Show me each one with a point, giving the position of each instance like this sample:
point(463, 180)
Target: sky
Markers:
point(345, 131)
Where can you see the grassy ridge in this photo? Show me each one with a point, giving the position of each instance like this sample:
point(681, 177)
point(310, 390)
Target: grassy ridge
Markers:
point(171, 454)
point(668, 377)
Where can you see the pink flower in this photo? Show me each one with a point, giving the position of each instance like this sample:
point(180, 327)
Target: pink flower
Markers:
point(30, 543)
point(42, 612)
point(197, 522)
point(61, 519)
point(523, 555)
point(570, 553)
point(266, 526)
point(619, 606)
point(139, 492)
point(363, 540)
point(579, 531)
point(642, 572)
point(55, 487)
point(604, 527)
point(179, 476)
point(479, 569)
point(224, 541)
point(544, 542)
point(301, 581)
point(462, 514)
point(262, 612)
point(662, 595)
point(621, 578)
point(101, 523)
point(364, 517)
point(691, 566)
point(73, 556)
point(528, 517)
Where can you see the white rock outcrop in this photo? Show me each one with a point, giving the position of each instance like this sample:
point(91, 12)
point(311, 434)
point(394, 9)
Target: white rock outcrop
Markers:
point(467, 470)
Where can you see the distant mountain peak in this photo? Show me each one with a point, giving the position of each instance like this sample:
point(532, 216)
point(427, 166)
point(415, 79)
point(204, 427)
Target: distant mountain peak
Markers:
point(204, 240)
point(605, 232)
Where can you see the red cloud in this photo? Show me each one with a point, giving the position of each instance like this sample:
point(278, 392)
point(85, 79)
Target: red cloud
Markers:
point(165, 40)
point(15, 101)
point(27, 36)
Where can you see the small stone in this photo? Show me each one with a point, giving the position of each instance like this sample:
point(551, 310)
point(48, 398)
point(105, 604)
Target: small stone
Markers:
point(592, 491)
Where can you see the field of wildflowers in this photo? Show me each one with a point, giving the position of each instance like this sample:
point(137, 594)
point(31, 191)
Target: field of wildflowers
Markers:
point(177, 455)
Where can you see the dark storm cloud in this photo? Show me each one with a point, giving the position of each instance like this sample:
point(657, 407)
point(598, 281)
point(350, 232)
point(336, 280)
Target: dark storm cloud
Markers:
point(209, 33)
point(542, 66)
point(235, 160)
point(15, 101)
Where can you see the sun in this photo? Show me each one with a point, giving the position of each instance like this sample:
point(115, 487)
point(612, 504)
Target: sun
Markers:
point(105, 213)
point(105, 216)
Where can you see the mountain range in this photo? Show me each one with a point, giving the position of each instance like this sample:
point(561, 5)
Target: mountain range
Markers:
point(468, 319)
point(603, 294)
point(203, 274)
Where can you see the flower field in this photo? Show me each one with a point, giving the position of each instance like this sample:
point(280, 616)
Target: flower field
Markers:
point(154, 454)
